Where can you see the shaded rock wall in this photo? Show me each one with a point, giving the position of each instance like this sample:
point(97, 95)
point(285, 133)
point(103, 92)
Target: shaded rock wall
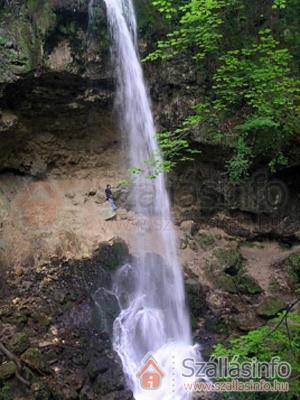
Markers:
point(51, 319)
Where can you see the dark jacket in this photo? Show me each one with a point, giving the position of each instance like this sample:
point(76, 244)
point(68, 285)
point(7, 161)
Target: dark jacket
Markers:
point(108, 194)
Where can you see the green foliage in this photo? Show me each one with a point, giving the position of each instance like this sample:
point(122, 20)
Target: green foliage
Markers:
point(239, 164)
point(279, 339)
point(279, 4)
point(198, 27)
point(166, 7)
point(254, 86)
point(175, 148)
point(252, 98)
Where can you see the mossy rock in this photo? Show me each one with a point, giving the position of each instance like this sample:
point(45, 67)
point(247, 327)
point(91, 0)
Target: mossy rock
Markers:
point(205, 241)
point(109, 214)
point(293, 264)
point(246, 284)
point(112, 255)
point(270, 307)
point(19, 343)
point(196, 298)
point(6, 393)
point(226, 282)
point(120, 251)
point(229, 260)
point(40, 391)
point(274, 286)
point(7, 370)
point(218, 326)
point(34, 359)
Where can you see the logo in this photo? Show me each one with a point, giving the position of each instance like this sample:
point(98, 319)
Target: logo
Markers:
point(150, 375)
point(38, 203)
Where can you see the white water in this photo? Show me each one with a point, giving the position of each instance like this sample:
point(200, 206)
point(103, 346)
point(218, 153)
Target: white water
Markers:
point(154, 318)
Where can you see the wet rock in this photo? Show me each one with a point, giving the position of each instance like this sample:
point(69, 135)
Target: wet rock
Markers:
point(196, 297)
point(120, 251)
point(110, 381)
point(112, 255)
point(97, 365)
point(107, 309)
point(270, 307)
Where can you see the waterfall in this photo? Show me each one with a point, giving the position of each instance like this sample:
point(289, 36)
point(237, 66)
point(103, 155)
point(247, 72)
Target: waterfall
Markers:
point(154, 319)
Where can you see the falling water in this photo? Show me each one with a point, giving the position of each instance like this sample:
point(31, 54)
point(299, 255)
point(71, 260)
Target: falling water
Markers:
point(151, 292)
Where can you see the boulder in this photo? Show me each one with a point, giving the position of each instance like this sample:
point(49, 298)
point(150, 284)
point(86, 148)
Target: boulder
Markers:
point(196, 297)
point(270, 307)
point(187, 226)
point(293, 267)
point(246, 321)
point(7, 370)
point(248, 285)
point(226, 283)
point(112, 255)
point(229, 260)
point(107, 309)
point(19, 343)
point(110, 381)
point(34, 359)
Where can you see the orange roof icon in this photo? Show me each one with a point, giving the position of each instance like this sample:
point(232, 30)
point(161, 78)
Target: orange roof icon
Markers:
point(150, 364)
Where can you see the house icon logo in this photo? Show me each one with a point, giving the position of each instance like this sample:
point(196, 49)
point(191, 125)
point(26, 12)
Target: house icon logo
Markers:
point(150, 375)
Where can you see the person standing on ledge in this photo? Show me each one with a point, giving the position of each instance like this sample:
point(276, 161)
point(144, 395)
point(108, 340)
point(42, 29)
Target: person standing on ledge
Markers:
point(110, 197)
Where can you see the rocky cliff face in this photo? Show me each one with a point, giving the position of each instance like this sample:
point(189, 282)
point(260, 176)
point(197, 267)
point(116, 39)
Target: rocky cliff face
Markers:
point(56, 320)
point(59, 148)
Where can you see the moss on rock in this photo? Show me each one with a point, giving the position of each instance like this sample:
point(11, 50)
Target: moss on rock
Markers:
point(19, 343)
point(229, 260)
point(112, 255)
point(248, 285)
point(34, 359)
point(293, 265)
point(7, 370)
point(270, 307)
point(226, 282)
point(6, 393)
point(206, 241)
point(196, 298)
